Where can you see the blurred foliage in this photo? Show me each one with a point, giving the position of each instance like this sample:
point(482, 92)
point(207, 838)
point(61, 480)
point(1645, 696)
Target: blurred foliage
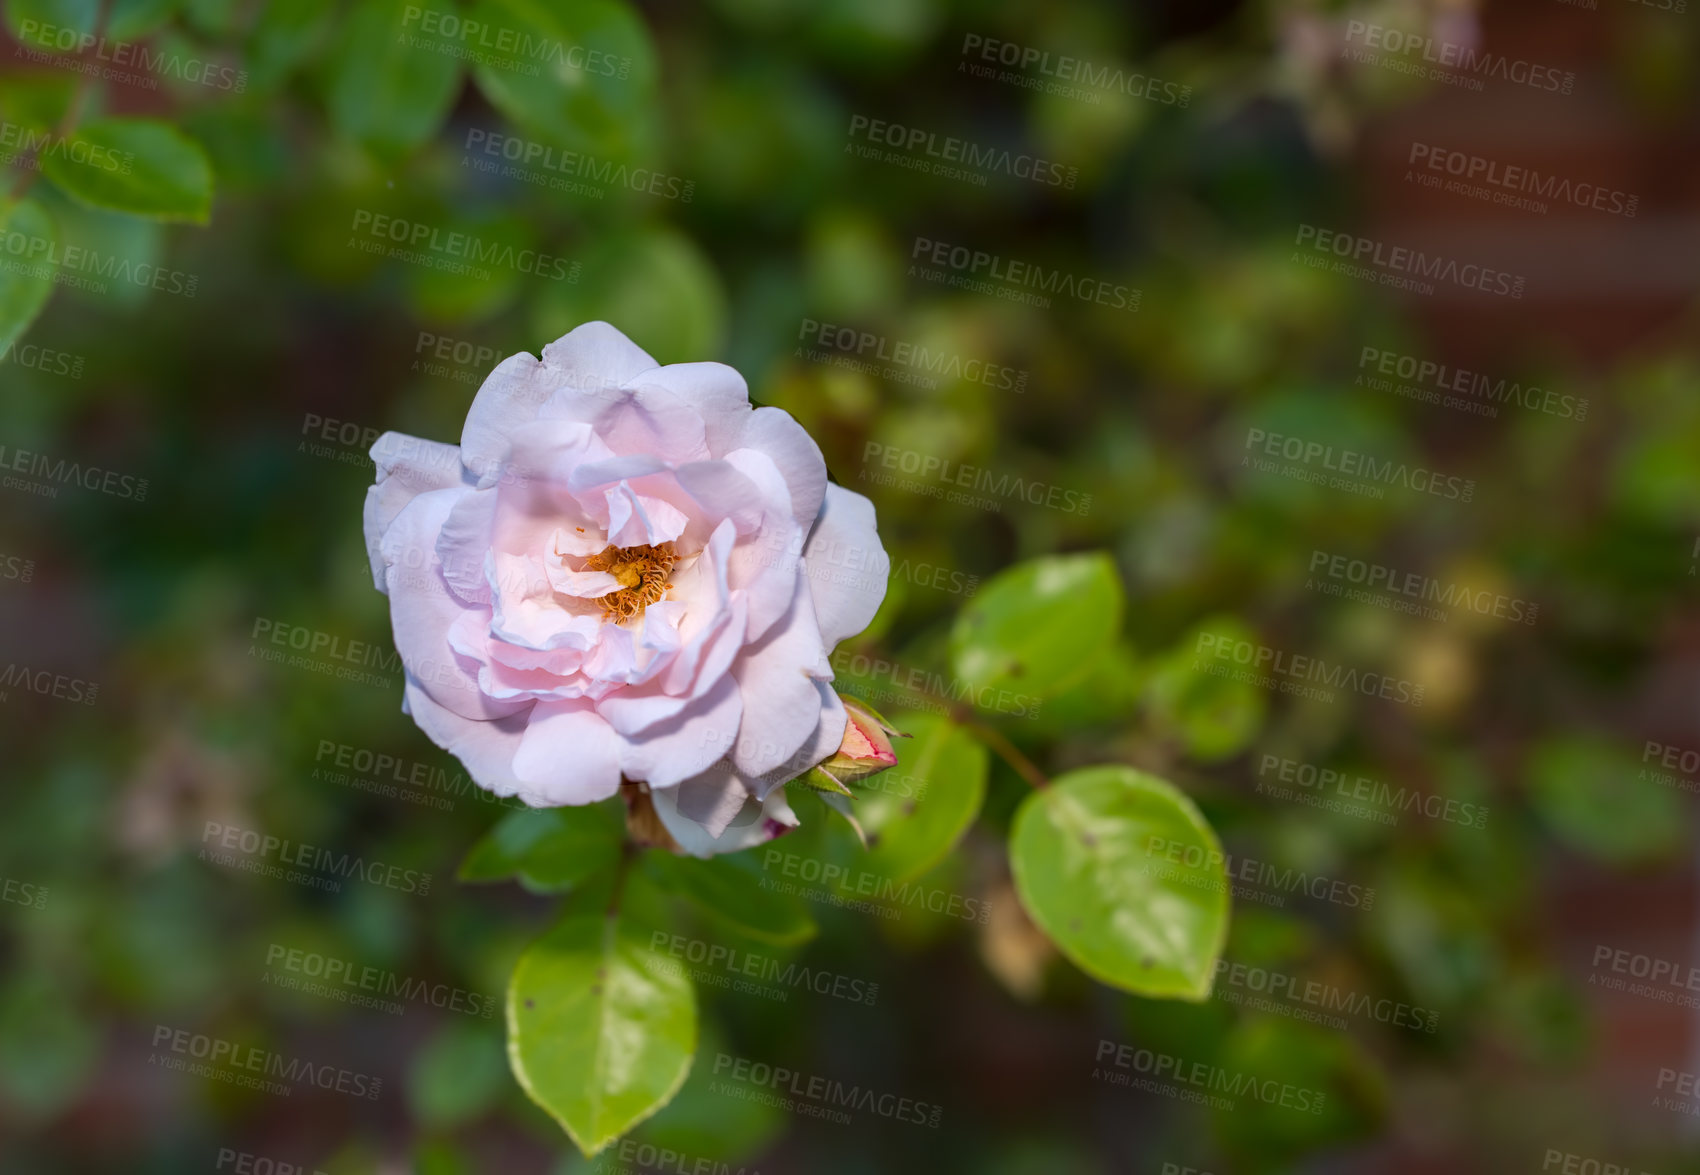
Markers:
point(696, 183)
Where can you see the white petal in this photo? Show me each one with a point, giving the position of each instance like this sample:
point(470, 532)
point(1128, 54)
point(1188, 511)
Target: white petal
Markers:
point(685, 745)
point(594, 356)
point(717, 393)
point(781, 704)
point(422, 608)
point(407, 467)
point(846, 565)
point(506, 403)
point(755, 823)
point(774, 432)
point(568, 755)
point(486, 749)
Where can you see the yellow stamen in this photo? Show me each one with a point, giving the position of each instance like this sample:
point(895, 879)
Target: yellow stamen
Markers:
point(642, 572)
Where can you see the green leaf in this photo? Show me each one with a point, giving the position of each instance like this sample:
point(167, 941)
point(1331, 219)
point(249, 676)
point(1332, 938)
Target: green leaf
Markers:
point(654, 283)
point(23, 294)
point(601, 1030)
point(458, 1075)
point(549, 850)
point(1038, 626)
point(729, 888)
point(1123, 873)
point(35, 101)
point(584, 76)
point(287, 33)
point(49, 25)
point(389, 87)
point(134, 19)
point(138, 166)
point(1597, 798)
point(915, 812)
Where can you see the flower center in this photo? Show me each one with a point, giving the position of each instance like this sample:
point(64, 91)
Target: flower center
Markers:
point(642, 572)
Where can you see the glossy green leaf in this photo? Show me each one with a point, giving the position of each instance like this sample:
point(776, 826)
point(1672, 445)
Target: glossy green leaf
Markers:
point(549, 850)
point(601, 1030)
point(138, 166)
point(390, 84)
point(1122, 872)
point(915, 812)
point(580, 74)
point(1037, 627)
point(27, 281)
point(729, 888)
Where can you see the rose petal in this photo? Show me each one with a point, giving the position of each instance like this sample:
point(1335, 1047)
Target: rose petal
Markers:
point(686, 744)
point(777, 678)
point(568, 755)
point(846, 565)
point(754, 823)
point(407, 467)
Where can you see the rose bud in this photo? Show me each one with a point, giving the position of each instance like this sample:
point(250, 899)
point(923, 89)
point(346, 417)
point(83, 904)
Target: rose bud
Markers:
point(866, 749)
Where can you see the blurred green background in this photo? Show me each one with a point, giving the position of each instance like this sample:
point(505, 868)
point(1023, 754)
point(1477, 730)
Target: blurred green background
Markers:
point(709, 179)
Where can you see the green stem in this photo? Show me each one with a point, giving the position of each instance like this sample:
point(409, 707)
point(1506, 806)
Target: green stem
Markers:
point(1009, 753)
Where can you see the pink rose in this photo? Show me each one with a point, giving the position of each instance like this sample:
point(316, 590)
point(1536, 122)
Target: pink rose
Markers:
point(610, 579)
